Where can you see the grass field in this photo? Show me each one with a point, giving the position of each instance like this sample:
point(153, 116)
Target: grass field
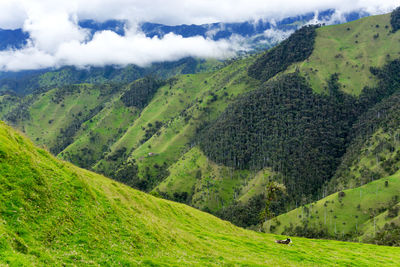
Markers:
point(210, 185)
point(350, 49)
point(53, 213)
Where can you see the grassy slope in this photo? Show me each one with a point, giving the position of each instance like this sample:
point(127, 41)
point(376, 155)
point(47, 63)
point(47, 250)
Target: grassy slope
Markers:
point(336, 51)
point(345, 215)
point(92, 140)
point(53, 213)
point(371, 159)
point(211, 185)
point(48, 117)
point(181, 107)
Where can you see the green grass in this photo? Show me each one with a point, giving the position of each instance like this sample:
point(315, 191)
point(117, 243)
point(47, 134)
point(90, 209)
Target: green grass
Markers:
point(350, 214)
point(350, 49)
point(53, 213)
point(48, 117)
point(210, 185)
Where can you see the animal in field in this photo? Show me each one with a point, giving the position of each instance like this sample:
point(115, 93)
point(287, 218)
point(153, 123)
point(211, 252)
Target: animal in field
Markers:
point(285, 242)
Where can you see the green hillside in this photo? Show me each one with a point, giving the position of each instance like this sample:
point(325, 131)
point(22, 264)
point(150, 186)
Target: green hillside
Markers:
point(53, 213)
point(350, 50)
point(375, 150)
point(167, 125)
point(367, 211)
point(212, 186)
point(354, 214)
point(24, 83)
point(215, 139)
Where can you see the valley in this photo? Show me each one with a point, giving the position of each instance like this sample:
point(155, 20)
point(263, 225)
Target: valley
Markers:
point(318, 114)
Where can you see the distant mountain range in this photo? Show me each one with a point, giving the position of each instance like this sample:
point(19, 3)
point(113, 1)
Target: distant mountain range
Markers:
point(254, 31)
point(253, 36)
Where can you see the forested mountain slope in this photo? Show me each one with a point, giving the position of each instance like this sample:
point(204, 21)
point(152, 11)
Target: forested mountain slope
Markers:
point(53, 213)
point(214, 140)
point(26, 82)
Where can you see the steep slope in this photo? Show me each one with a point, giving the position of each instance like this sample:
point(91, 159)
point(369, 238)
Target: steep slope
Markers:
point(375, 148)
point(53, 118)
point(54, 213)
point(167, 125)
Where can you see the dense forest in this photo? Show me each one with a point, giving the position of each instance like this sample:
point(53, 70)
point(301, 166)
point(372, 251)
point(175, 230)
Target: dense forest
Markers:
point(140, 92)
point(285, 126)
point(297, 47)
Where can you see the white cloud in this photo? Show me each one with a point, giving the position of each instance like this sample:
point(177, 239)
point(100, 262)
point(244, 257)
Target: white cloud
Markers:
point(277, 35)
point(56, 39)
point(107, 47)
point(182, 11)
point(25, 59)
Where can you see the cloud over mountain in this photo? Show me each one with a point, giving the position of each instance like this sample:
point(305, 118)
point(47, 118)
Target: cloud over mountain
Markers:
point(56, 38)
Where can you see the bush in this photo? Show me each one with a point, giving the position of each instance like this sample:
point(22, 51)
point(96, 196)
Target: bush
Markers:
point(393, 212)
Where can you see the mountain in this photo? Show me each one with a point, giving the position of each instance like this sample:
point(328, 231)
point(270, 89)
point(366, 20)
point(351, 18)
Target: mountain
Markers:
point(253, 36)
point(259, 34)
point(253, 30)
point(371, 167)
point(25, 82)
point(53, 213)
point(302, 114)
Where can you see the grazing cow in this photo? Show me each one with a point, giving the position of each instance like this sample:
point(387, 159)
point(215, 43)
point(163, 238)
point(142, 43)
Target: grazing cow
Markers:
point(286, 242)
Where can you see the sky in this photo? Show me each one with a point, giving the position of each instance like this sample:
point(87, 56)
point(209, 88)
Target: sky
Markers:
point(57, 40)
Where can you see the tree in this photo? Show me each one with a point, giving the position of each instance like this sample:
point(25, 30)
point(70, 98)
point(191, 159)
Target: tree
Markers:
point(273, 189)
